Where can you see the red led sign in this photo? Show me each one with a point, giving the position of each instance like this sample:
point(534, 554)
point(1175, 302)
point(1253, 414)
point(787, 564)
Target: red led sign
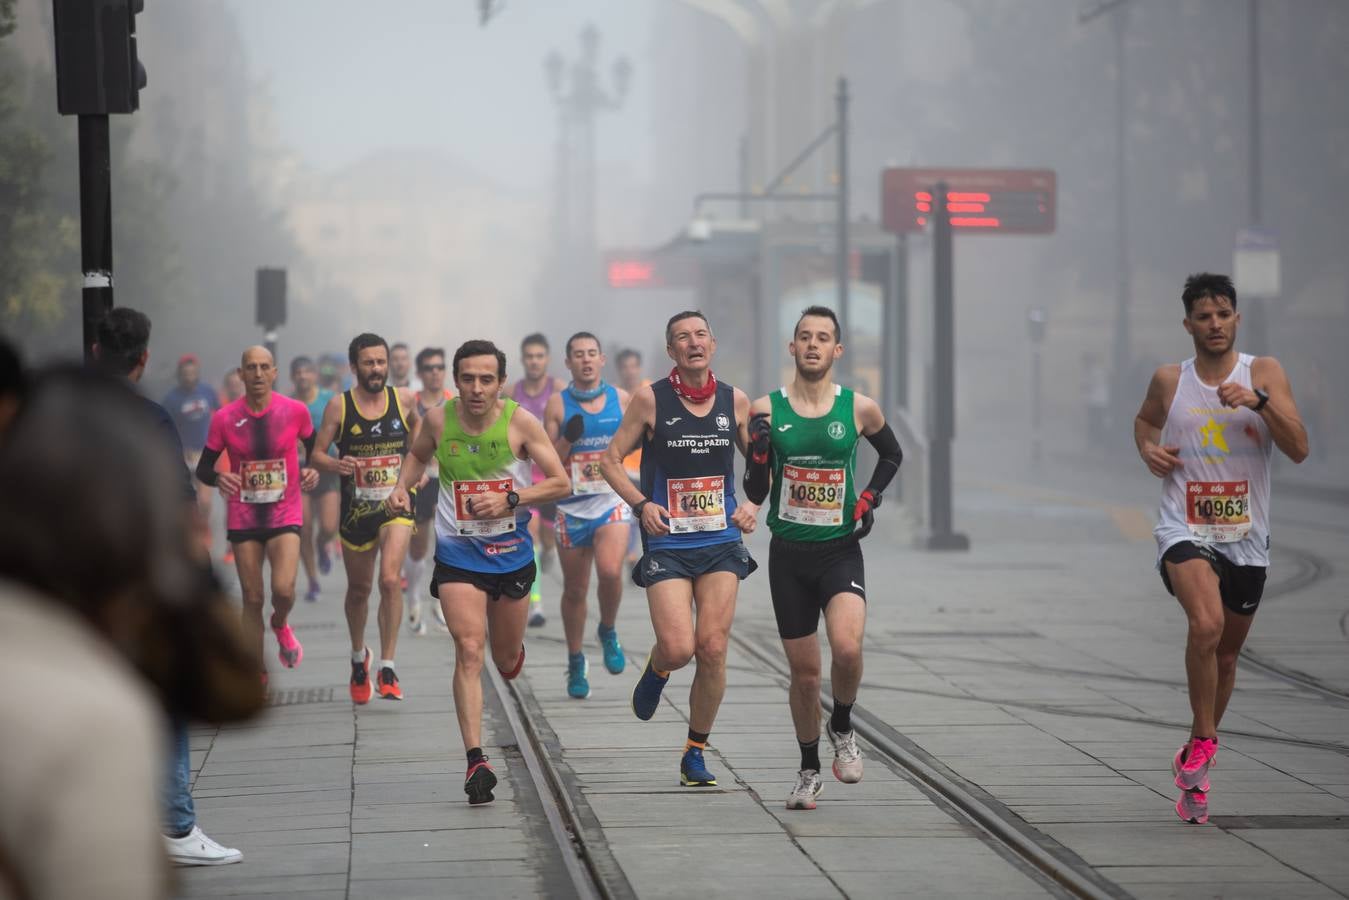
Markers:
point(1009, 201)
point(624, 273)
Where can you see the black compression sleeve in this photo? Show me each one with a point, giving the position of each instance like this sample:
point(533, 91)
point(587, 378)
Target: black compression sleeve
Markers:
point(309, 448)
point(755, 481)
point(887, 447)
point(206, 472)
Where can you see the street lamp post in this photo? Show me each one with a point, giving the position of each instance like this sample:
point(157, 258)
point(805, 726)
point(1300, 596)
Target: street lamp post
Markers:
point(580, 97)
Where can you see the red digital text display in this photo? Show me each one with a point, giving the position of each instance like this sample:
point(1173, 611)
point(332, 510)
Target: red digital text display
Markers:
point(1013, 201)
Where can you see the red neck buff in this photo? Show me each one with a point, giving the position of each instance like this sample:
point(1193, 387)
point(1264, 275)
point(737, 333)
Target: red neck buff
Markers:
point(692, 394)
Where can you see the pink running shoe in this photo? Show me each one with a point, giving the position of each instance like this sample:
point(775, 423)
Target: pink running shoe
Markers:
point(1179, 759)
point(1194, 769)
point(1192, 807)
point(291, 652)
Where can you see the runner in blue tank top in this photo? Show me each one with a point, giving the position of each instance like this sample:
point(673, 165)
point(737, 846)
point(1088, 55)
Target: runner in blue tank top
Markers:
point(689, 426)
point(593, 523)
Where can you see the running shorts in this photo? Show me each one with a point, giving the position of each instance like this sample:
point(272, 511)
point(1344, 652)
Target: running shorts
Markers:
point(804, 576)
point(573, 531)
point(1241, 587)
point(511, 585)
point(661, 565)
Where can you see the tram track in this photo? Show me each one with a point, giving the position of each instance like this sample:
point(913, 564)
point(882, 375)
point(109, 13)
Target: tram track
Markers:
point(1310, 569)
point(593, 874)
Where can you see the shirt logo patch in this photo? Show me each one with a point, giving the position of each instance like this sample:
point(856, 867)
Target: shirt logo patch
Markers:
point(355, 429)
point(674, 420)
point(377, 428)
point(784, 427)
point(241, 423)
point(397, 425)
point(723, 423)
point(836, 430)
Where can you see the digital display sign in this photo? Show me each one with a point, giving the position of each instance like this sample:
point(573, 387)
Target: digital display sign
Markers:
point(1008, 201)
point(647, 269)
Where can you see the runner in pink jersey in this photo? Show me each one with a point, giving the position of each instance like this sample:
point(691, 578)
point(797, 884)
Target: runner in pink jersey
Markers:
point(261, 431)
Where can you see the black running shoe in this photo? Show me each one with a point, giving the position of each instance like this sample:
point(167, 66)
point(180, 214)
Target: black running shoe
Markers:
point(479, 783)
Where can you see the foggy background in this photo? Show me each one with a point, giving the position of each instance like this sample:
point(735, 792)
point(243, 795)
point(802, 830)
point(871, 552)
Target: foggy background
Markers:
point(401, 161)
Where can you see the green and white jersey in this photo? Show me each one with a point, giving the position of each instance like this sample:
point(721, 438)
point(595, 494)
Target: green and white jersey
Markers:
point(813, 470)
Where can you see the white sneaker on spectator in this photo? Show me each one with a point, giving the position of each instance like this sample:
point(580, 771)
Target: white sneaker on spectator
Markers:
point(196, 849)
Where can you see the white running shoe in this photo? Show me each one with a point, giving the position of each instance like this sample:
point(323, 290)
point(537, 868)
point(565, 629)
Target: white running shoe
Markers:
point(196, 849)
point(847, 758)
point(807, 788)
point(440, 616)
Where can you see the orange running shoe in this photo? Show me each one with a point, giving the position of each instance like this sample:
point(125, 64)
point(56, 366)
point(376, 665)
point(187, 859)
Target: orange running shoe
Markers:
point(388, 684)
point(360, 680)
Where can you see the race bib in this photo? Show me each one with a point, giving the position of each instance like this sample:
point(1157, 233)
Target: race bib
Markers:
point(376, 476)
point(264, 480)
point(585, 474)
point(474, 525)
point(812, 496)
point(1218, 512)
point(696, 504)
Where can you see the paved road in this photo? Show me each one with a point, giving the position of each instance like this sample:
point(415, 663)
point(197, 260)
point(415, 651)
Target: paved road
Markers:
point(1042, 669)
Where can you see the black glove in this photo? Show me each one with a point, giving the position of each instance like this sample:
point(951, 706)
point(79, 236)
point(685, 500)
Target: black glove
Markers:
point(864, 509)
point(573, 429)
point(760, 435)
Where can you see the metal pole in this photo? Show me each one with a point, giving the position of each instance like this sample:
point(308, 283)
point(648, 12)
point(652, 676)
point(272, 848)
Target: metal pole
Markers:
point(943, 377)
point(1035, 404)
point(1254, 138)
point(844, 251)
point(743, 186)
point(95, 225)
point(1120, 354)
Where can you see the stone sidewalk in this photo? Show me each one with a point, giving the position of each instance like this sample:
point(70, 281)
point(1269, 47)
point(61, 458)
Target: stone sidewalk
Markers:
point(1043, 667)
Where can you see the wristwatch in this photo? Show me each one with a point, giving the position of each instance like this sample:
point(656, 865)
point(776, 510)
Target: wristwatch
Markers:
point(1263, 397)
point(512, 499)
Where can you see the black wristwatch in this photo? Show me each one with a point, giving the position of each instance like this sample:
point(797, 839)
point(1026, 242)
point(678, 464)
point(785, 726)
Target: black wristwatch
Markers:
point(512, 499)
point(1263, 397)
point(637, 510)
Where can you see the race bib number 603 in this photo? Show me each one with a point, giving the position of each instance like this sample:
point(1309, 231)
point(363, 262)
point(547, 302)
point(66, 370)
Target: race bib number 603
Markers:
point(376, 476)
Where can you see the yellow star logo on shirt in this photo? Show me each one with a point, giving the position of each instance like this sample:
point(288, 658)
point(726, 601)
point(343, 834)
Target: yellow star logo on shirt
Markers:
point(1213, 436)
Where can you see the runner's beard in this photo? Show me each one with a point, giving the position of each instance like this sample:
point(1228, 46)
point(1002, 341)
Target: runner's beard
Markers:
point(821, 375)
point(373, 384)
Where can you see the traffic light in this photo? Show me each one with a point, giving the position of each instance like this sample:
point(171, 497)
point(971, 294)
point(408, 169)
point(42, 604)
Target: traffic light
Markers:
point(97, 69)
point(271, 298)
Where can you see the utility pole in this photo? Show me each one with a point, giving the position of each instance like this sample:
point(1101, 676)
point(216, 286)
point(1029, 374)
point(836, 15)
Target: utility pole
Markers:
point(844, 261)
point(1120, 352)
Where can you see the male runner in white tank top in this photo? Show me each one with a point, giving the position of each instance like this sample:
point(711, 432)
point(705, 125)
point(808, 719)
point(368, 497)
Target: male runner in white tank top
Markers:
point(1205, 428)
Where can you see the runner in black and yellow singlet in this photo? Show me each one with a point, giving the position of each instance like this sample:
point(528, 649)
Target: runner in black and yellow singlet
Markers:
point(371, 424)
point(804, 437)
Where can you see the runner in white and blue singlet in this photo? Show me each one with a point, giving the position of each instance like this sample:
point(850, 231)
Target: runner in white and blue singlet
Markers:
point(593, 523)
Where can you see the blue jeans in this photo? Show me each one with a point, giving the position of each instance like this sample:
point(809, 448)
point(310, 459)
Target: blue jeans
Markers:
point(175, 794)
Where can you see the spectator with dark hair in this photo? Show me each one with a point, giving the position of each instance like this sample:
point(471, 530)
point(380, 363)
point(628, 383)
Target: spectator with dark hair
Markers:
point(122, 350)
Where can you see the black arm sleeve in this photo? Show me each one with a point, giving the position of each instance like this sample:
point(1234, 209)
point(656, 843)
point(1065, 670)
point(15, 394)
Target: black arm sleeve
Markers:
point(309, 447)
point(887, 447)
point(755, 481)
point(206, 472)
